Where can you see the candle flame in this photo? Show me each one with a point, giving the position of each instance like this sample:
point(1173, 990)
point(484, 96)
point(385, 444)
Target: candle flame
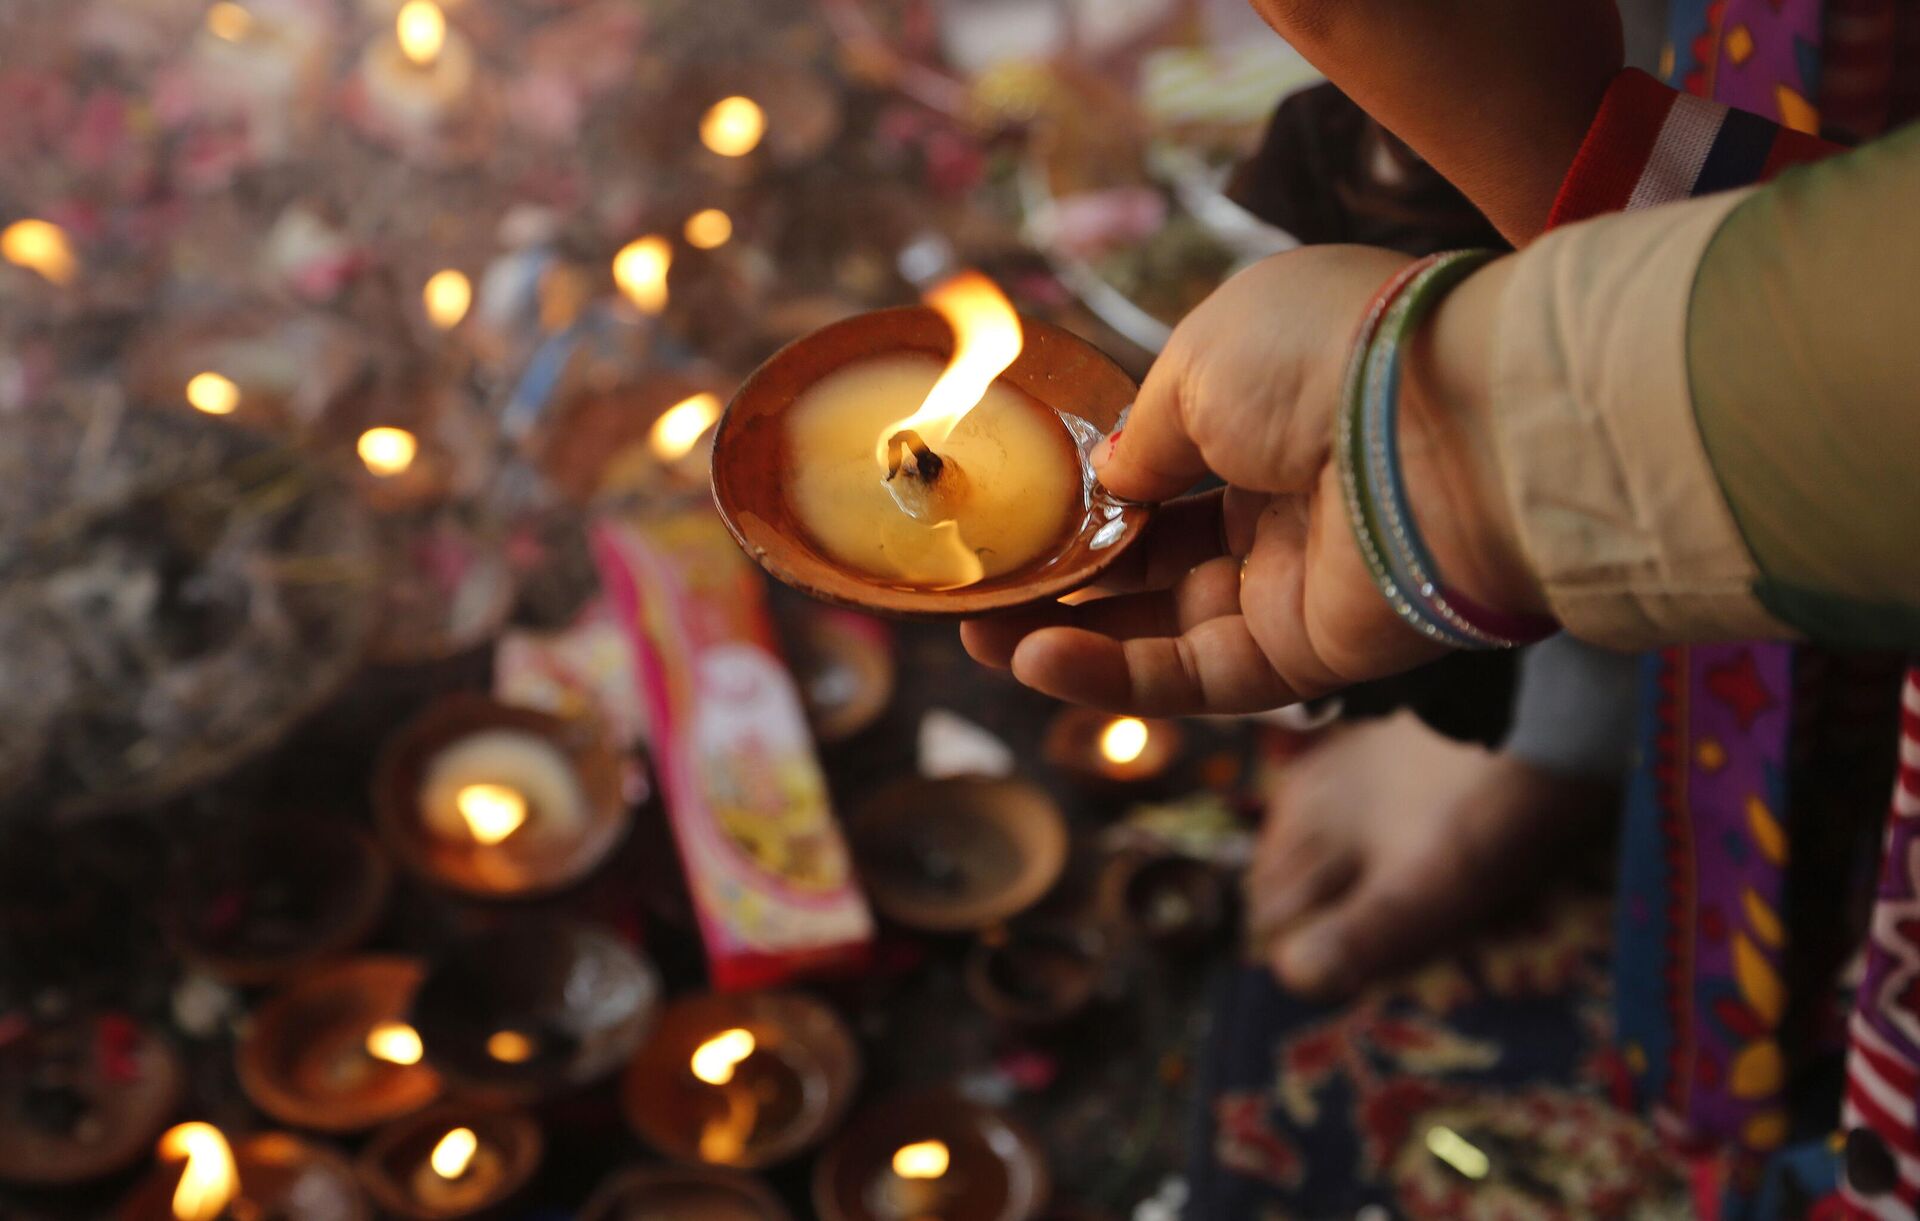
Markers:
point(213, 394)
point(986, 340)
point(209, 1182)
point(229, 22)
point(492, 811)
point(447, 297)
point(39, 245)
point(733, 126)
point(682, 425)
point(709, 229)
point(1124, 739)
point(422, 30)
point(715, 1059)
point(927, 1159)
point(454, 1153)
point(509, 1047)
point(640, 269)
point(395, 1042)
point(387, 451)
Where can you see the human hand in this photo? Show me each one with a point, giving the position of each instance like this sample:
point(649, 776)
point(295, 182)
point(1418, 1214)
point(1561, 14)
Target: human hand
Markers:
point(1258, 596)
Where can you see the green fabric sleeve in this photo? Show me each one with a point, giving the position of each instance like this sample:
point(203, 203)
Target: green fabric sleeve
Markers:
point(1803, 352)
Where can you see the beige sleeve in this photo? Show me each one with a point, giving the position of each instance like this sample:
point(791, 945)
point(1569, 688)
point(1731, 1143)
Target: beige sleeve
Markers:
point(1618, 509)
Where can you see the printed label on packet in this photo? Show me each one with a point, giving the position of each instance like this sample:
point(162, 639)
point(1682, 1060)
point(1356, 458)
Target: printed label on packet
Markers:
point(771, 879)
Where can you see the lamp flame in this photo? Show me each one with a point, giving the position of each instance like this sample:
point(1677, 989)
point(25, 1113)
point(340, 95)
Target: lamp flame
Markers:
point(509, 1047)
point(1124, 739)
point(387, 451)
point(709, 229)
point(39, 245)
point(395, 1042)
point(640, 269)
point(492, 811)
point(1458, 1152)
point(986, 341)
point(209, 1182)
point(682, 425)
point(733, 126)
point(715, 1059)
point(213, 394)
point(229, 22)
point(454, 1153)
point(447, 297)
point(927, 1159)
point(422, 30)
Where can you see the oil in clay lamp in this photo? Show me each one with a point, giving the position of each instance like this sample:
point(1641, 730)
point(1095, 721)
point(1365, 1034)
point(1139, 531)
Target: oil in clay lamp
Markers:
point(927, 462)
point(1035, 974)
point(81, 1096)
point(271, 1176)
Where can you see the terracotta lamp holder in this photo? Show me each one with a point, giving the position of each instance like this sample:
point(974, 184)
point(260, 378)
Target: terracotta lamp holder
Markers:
point(810, 1048)
point(303, 1058)
point(1035, 974)
point(83, 1097)
point(1056, 367)
point(958, 854)
point(280, 1176)
point(997, 1171)
point(393, 1160)
point(681, 1193)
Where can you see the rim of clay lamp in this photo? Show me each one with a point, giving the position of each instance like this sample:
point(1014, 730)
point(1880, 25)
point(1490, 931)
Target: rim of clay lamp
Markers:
point(456, 865)
point(938, 1114)
point(957, 813)
point(614, 1195)
point(401, 1146)
point(1056, 367)
point(360, 992)
point(656, 1078)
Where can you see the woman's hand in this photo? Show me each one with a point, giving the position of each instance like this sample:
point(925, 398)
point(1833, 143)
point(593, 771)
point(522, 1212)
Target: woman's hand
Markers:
point(1258, 596)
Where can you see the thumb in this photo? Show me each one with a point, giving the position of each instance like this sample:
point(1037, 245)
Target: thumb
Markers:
point(1151, 457)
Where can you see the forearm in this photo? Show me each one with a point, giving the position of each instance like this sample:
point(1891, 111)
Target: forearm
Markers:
point(1495, 95)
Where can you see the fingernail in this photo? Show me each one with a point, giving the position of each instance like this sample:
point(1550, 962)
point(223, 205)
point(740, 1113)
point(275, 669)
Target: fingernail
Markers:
point(1104, 450)
point(1311, 961)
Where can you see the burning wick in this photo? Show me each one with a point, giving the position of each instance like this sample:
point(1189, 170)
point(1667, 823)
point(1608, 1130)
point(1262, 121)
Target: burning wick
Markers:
point(681, 426)
point(640, 269)
point(492, 811)
point(927, 1159)
point(396, 1043)
point(209, 1182)
point(422, 30)
point(733, 126)
point(1124, 740)
point(387, 451)
point(447, 297)
point(510, 1047)
point(213, 394)
point(715, 1060)
point(454, 1154)
point(41, 246)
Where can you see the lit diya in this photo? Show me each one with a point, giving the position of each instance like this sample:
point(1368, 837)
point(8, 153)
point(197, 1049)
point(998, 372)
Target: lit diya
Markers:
point(263, 901)
point(683, 1193)
point(204, 1177)
point(333, 1052)
point(451, 1161)
point(535, 1008)
point(928, 463)
point(957, 854)
point(80, 1098)
point(741, 1079)
point(931, 1155)
point(497, 801)
point(1102, 751)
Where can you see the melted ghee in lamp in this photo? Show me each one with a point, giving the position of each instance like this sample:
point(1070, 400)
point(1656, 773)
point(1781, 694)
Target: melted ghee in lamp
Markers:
point(1022, 492)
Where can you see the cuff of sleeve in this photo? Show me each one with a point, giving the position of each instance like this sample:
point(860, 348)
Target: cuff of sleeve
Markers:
point(1617, 506)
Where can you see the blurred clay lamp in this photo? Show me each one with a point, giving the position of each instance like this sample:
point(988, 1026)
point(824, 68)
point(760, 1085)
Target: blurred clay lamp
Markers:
point(204, 1177)
point(675, 438)
point(1108, 751)
point(917, 1181)
point(766, 1075)
point(451, 1162)
point(417, 79)
point(640, 272)
point(333, 1053)
point(445, 298)
point(979, 498)
point(931, 1155)
point(498, 800)
point(82, 1095)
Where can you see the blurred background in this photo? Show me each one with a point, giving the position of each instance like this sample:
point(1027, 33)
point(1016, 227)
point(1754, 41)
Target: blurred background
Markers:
point(370, 841)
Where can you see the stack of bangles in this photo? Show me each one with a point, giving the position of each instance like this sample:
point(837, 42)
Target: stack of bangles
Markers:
point(1367, 447)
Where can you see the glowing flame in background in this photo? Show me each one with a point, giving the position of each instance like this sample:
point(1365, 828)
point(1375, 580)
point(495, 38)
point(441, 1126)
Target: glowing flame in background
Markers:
point(454, 1153)
point(733, 126)
point(1123, 740)
point(715, 1060)
point(492, 811)
point(447, 297)
point(387, 451)
point(213, 394)
point(39, 245)
point(422, 30)
point(209, 1182)
point(986, 340)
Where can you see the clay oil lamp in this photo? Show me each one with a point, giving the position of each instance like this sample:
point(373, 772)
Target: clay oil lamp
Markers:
point(272, 898)
point(927, 462)
point(499, 802)
point(741, 1079)
point(333, 1051)
point(931, 1155)
point(80, 1098)
point(645, 438)
point(204, 1177)
point(1107, 753)
point(451, 1161)
point(537, 1008)
point(846, 669)
point(420, 88)
point(683, 1193)
point(1169, 900)
point(957, 854)
point(1035, 973)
